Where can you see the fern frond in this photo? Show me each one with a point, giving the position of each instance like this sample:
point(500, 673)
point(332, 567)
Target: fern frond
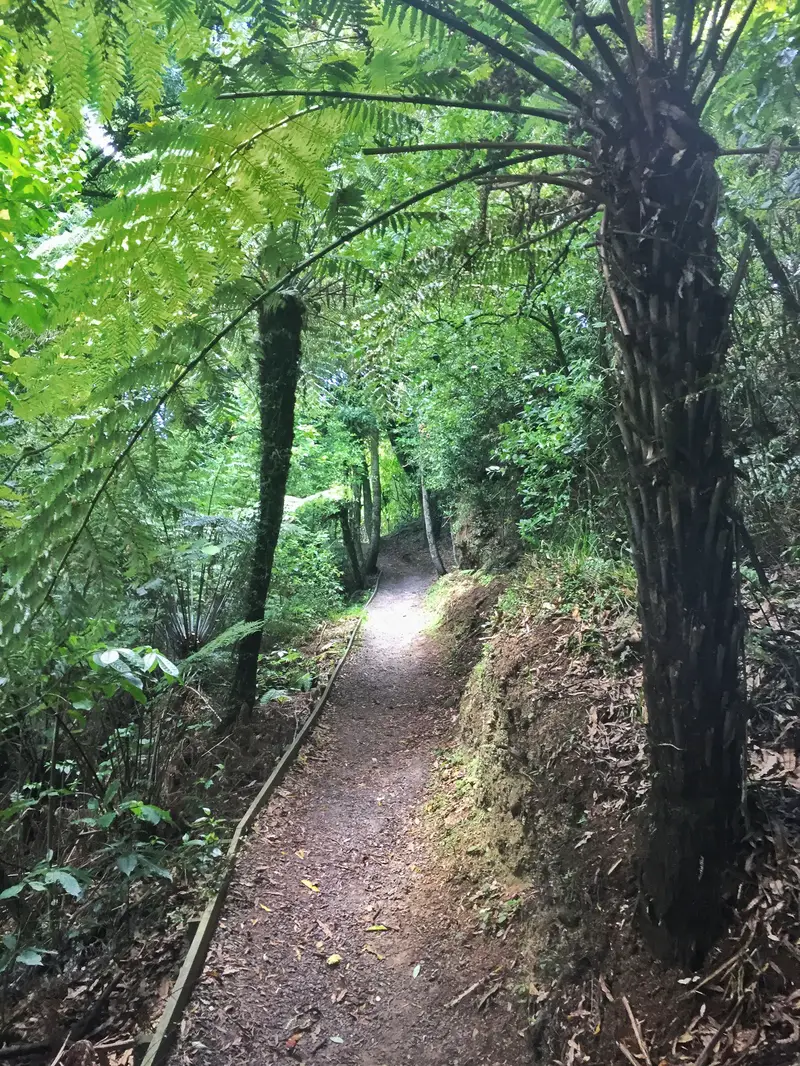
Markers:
point(69, 62)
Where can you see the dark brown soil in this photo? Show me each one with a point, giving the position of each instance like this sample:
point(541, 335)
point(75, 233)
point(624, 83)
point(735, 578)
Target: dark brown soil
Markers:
point(544, 796)
point(343, 941)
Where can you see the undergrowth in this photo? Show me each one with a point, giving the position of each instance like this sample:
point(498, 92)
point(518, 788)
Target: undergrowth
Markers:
point(120, 793)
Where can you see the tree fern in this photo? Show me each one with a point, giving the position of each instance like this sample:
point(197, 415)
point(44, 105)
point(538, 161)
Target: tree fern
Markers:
point(105, 43)
point(86, 43)
point(69, 61)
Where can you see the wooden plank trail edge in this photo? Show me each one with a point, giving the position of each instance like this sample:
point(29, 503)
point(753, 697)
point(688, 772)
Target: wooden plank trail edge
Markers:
point(160, 1044)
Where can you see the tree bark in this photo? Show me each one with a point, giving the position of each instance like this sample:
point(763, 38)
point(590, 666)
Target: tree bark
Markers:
point(367, 494)
point(430, 535)
point(279, 333)
point(456, 557)
point(355, 525)
point(371, 561)
point(662, 266)
point(350, 547)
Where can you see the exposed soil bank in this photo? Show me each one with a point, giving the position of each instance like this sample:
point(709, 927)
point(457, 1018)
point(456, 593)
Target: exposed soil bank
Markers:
point(540, 806)
point(343, 940)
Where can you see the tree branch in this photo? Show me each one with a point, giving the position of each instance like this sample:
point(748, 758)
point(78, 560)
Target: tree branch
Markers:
point(623, 15)
point(741, 272)
point(549, 114)
point(721, 64)
point(605, 53)
point(770, 260)
point(550, 43)
point(655, 15)
point(544, 150)
point(707, 54)
point(499, 49)
point(685, 41)
point(579, 219)
point(543, 178)
point(762, 149)
point(711, 10)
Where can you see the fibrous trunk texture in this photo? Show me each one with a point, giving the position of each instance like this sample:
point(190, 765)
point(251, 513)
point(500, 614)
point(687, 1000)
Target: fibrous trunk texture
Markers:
point(662, 266)
point(371, 561)
point(430, 534)
point(279, 333)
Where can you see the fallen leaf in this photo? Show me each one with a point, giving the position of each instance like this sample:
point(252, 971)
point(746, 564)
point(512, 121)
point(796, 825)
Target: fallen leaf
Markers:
point(415, 971)
point(300, 854)
point(310, 885)
point(372, 951)
point(334, 960)
point(264, 907)
point(337, 1040)
point(377, 928)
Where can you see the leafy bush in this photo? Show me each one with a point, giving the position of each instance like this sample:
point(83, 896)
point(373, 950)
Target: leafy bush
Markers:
point(306, 583)
point(551, 441)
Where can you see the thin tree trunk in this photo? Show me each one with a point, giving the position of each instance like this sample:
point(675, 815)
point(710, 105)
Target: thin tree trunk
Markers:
point(433, 547)
point(672, 333)
point(371, 561)
point(279, 332)
point(356, 524)
point(436, 516)
point(367, 494)
point(350, 547)
point(456, 559)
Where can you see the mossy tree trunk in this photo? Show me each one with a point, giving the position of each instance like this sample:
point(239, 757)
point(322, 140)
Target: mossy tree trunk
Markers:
point(279, 335)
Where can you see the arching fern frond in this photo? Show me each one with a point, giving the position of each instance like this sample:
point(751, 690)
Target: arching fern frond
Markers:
point(85, 45)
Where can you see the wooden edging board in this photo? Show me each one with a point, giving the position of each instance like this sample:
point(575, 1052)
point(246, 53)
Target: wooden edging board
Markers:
point(160, 1044)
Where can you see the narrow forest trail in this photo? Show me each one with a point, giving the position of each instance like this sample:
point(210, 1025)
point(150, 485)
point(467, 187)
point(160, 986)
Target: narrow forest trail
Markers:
point(349, 822)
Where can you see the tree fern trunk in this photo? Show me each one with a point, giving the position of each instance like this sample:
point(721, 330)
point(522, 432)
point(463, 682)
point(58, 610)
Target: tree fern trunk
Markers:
point(279, 332)
point(430, 533)
point(663, 268)
point(371, 561)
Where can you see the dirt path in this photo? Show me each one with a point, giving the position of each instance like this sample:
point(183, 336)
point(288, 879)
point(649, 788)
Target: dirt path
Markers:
point(349, 824)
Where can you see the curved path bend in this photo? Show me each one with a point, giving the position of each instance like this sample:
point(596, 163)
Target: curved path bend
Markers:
point(338, 865)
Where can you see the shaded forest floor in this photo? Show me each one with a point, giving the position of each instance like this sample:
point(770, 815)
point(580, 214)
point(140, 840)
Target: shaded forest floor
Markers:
point(448, 875)
point(343, 939)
